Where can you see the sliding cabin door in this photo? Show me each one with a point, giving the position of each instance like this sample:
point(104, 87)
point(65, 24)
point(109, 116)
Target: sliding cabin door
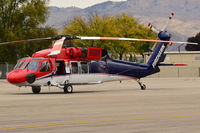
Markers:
point(79, 73)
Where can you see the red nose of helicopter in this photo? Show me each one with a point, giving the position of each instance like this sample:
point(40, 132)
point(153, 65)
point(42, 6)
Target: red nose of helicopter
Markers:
point(16, 76)
point(11, 78)
point(20, 76)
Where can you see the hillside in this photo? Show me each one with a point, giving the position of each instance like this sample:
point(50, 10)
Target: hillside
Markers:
point(186, 22)
point(58, 17)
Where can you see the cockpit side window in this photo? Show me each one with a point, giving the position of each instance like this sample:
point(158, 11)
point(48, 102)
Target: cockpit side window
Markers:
point(18, 64)
point(44, 67)
point(33, 65)
point(24, 65)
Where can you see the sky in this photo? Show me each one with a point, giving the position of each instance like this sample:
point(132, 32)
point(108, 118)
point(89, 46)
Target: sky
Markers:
point(76, 3)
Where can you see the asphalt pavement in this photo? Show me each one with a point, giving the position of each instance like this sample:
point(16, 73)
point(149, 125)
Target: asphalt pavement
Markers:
point(169, 105)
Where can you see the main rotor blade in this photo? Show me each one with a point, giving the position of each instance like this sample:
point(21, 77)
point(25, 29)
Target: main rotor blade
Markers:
point(170, 18)
point(132, 39)
point(29, 40)
point(154, 29)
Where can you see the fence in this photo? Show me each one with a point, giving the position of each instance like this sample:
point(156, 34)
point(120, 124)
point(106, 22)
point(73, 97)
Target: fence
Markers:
point(4, 69)
point(178, 72)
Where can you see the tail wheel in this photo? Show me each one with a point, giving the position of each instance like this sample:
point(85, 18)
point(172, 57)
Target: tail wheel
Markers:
point(143, 87)
point(36, 89)
point(68, 88)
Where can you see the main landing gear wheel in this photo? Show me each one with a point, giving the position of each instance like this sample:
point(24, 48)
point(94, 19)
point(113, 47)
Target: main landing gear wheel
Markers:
point(36, 89)
point(142, 86)
point(68, 88)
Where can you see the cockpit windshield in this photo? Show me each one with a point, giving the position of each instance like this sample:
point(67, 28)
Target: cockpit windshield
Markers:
point(18, 64)
point(24, 65)
point(33, 65)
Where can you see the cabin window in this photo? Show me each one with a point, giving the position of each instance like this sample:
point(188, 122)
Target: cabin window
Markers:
point(44, 67)
point(74, 66)
point(84, 67)
point(33, 65)
point(60, 68)
point(24, 65)
point(18, 64)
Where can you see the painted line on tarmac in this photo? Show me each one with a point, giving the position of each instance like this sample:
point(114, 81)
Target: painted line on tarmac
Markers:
point(97, 121)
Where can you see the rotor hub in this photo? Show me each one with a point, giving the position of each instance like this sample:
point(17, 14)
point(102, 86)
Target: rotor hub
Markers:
point(164, 35)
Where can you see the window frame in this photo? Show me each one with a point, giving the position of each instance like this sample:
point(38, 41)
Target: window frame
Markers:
point(37, 64)
point(46, 67)
point(72, 68)
point(19, 64)
point(85, 63)
point(24, 65)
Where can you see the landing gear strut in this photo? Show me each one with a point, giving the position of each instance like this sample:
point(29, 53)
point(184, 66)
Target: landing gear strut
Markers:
point(36, 89)
point(68, 88)
point(143, 86)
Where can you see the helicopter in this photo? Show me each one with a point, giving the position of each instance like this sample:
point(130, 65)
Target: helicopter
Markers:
point(64, 65)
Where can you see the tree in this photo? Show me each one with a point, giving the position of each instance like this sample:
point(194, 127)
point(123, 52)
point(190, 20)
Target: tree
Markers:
point(196, 39)
point(118, 26)
point(19, 20)
point(22, 19)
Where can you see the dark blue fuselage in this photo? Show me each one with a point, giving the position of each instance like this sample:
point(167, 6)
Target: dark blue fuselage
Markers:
point(117, 67)
point(135, 70)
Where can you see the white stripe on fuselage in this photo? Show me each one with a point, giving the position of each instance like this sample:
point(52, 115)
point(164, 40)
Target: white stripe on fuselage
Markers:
point(77, 79)
point(94, 78)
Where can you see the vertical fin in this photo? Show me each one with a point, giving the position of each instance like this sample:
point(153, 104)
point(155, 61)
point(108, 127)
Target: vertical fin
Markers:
point(157, 54)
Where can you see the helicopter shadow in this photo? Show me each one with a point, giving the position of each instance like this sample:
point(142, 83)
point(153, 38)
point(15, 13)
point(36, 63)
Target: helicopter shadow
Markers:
point(85, 92)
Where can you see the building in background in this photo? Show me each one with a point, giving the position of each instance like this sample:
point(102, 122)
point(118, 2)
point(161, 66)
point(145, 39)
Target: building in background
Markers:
point(191, 58)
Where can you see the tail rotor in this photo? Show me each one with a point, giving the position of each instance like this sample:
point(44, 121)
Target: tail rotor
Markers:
point(154, 29)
